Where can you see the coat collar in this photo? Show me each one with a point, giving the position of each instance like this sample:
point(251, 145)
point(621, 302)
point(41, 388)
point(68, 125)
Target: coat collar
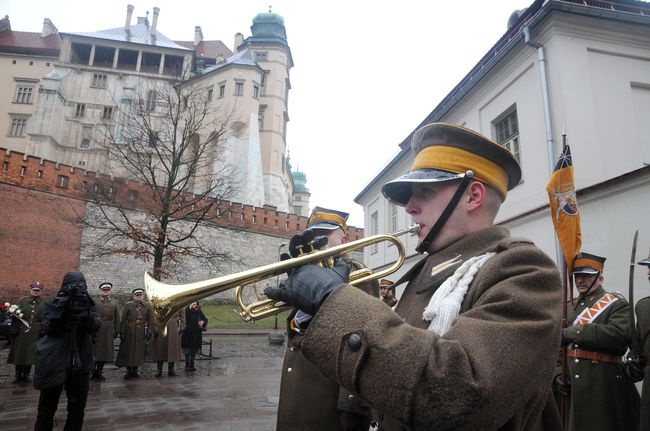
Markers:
point(433, 269)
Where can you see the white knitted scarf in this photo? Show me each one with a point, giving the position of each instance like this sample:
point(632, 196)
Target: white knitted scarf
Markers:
point(445, 303)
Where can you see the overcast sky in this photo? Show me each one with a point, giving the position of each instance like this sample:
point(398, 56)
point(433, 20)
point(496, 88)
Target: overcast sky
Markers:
point(366, 72)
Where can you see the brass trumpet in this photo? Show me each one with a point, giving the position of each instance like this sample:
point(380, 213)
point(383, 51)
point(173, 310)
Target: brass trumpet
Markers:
point(167, 299)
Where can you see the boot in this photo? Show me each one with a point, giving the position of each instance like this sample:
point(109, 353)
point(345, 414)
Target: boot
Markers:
point(192, 356)
point(128, 374)
point(100, 371)
point(170, 369)
point(96, 372)
point(26, 370)
point(160, 367)
point(19, 374)
point(187, 362)
point(135, 373)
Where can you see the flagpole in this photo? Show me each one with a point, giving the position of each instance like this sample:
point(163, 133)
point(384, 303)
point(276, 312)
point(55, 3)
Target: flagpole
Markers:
point(565, 279)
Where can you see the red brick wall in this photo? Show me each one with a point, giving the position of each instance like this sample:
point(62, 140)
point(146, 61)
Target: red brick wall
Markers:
point(37, 243)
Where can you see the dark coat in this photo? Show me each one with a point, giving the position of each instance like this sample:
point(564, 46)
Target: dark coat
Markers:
point(24, 344)
point(491, 370)
point(109, 313)
point(135, 325)
point(60, 352)
point(308, 399)
point(192, 335)
point(643, 326)
point(603, 397)
point(168, 348)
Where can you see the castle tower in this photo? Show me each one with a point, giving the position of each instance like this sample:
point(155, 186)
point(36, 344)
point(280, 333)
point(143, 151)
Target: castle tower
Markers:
point(268, 43)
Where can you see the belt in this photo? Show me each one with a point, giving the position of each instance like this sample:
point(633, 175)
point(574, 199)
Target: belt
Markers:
point(136, 322)
point(594, 356)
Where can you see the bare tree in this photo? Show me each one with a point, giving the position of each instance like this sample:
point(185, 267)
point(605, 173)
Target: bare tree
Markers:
point(168, 141)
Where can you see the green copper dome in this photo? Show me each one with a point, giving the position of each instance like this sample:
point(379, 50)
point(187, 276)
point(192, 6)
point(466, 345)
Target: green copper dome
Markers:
point(300, 181)
point(268, 25)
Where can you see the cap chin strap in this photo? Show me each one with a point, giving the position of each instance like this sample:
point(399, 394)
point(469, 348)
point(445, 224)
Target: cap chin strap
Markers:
point(437, 227)
point(588, 291)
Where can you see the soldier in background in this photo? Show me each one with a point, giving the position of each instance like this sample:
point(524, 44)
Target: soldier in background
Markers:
point(602, 395)
point(308, 399)
point(135, 328)
point(109, 314)
point(387, 292)
point(168, 348)
point(22, 353)
point(643, 331)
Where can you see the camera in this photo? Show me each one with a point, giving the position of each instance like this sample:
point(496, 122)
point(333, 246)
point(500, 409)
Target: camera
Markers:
point(71, 301)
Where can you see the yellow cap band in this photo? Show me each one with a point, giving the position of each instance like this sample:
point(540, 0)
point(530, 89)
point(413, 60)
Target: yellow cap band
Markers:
point(588, 263)
point(327, 217)
point(458, 161)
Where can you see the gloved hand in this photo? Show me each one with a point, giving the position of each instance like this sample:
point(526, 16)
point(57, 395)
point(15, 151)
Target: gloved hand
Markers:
point(560, 386)
point(309, 286)
point(306, 242)
point(635, 369)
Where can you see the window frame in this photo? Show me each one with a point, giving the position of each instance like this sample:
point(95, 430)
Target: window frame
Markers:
point(507, 132)
point(239, 88)
point(19, 96)
point(18, 126)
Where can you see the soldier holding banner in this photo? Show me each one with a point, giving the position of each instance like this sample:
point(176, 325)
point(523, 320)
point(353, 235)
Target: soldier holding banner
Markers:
point(602, 396)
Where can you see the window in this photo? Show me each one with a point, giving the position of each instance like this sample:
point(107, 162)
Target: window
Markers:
point(80, 53)
point(5, 166)
point(86, 135)
point(260, 117)
point(222, 90)
point(18, 127)
point(393, 217)
point(80, 110)
point(153, 139)
point(210, 95)
point(374, 230)
point(152, 98)
point(261, 56)
point(150, 62)
point(24, 94)
point(297, 210)
point(265, 77)
point(507, 130)
point(127, 59)
point(99, 80)
point(104, 56)
point(108, 113)
point(39, 175)
point(239, 88)
point(256, 91)
point(23, 169)
point(62, 182)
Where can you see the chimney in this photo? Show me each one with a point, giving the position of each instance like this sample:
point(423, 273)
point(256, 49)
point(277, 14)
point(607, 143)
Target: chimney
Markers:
point(198, 35)
point(48, 28)
point(239, 39)
point(129, 13)
point(154, 23)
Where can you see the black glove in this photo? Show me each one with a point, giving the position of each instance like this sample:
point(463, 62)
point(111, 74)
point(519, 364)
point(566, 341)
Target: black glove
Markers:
point(308, 287)
point(635, 369)
point(560, 386)
point(306, 242)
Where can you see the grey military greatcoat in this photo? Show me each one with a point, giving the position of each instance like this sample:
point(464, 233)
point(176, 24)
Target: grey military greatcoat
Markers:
point(135, 324)
point(109, 314)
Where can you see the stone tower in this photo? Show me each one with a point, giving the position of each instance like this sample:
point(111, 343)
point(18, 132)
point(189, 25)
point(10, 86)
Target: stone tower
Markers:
point(268, 43)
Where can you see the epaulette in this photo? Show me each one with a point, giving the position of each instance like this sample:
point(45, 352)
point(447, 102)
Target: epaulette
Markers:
point(507, 243)
point(619, 295)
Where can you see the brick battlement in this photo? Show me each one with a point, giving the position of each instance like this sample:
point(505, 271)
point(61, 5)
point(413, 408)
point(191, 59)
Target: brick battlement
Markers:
point(47, 176)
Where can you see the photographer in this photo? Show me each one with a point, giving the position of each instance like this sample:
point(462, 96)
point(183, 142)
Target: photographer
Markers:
point(64, 356)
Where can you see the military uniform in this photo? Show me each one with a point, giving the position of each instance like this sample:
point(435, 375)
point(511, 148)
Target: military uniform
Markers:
point(109, 313)
point(23, 348)
point(479, 375)
point(308, 399)
point(168, 348)
point(602, 396)
point(483, 358)
point(136, 324)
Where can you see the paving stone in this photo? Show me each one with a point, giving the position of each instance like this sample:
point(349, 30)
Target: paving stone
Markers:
point(237, 392)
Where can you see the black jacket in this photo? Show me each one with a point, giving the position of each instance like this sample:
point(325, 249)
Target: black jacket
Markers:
point(191, 339)
point(66, 348)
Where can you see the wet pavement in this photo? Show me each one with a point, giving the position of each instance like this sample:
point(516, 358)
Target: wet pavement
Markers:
point(237, 390)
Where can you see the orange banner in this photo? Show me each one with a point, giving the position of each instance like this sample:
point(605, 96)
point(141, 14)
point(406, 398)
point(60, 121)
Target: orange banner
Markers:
point(564, 207)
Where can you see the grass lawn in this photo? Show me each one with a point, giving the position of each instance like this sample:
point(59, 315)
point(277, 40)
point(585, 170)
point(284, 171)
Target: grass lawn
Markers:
point(224, 316)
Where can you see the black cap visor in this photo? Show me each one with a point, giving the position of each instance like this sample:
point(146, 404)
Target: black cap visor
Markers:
point(399, 190)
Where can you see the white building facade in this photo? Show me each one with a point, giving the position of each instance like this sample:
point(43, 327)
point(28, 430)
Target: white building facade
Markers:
point(579, 67)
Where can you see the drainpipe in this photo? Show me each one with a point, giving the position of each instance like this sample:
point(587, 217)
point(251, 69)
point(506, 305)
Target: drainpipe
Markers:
point(550, 146)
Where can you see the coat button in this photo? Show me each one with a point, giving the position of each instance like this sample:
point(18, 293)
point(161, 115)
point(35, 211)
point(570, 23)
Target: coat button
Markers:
point(577, 376)
point(354, 342)
point(289, 370)
point(350, 397)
